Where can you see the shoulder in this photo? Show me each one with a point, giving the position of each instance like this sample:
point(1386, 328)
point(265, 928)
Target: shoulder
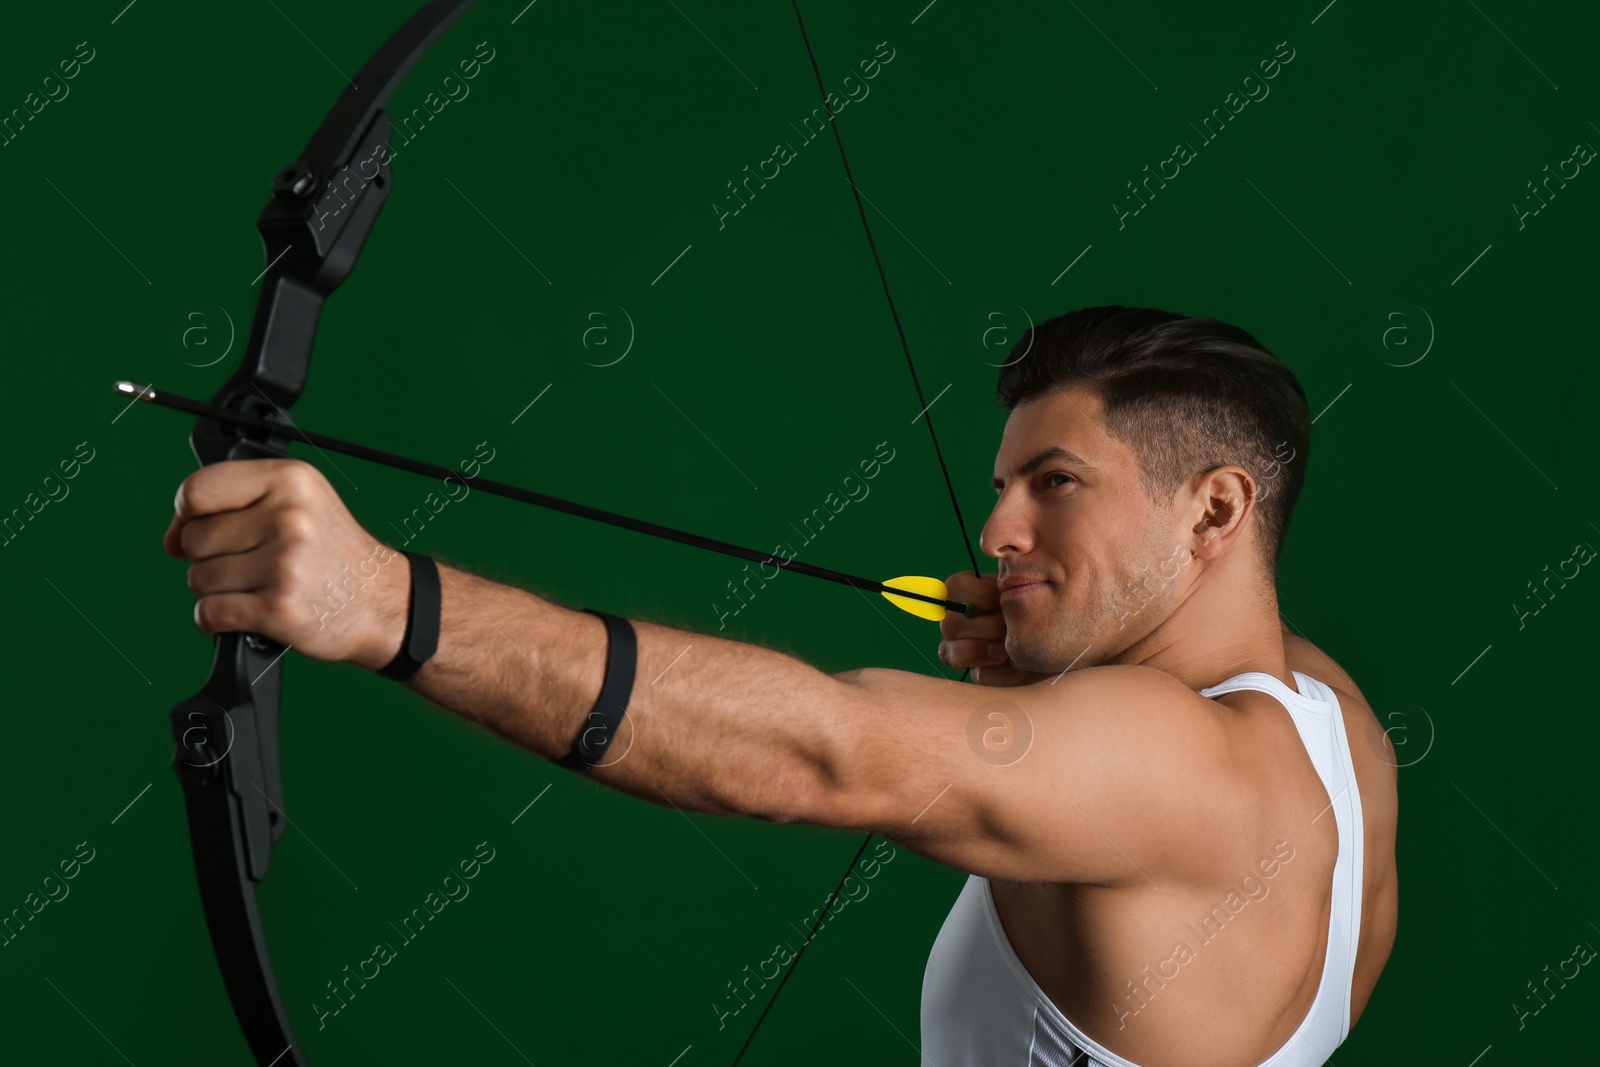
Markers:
point(1156, 760)
point(1108, 775)
point(1141, 704)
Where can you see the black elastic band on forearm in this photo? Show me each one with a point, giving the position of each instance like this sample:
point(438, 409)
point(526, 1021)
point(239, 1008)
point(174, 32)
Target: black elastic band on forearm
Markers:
point(622, 655)
point(421, 640)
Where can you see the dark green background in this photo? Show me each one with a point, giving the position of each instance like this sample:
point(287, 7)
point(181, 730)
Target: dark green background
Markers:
point(596, 141)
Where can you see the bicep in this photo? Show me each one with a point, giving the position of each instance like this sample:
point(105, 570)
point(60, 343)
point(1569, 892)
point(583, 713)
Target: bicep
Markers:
point(1095, 778)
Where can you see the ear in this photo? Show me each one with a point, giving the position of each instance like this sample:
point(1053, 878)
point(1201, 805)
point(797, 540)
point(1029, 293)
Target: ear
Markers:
point(1221, 500)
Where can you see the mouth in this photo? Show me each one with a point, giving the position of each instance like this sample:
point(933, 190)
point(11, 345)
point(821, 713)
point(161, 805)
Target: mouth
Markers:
point(1018, 586)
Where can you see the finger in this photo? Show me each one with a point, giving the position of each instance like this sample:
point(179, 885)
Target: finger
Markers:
point(1002, 674)
point(170, 540)
point(969, 654)
point(275, 609)
point(232, 484)
point(981, 592)
point(228, 613)
point(985, 627)
point(228, 533)
point(245, 573)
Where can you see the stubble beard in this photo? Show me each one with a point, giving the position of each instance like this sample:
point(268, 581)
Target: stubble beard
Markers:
point(1077, 636)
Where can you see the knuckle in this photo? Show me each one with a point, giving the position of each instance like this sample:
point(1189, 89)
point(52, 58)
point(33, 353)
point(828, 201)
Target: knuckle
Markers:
point(292, 570)
point(278, 605)
point(295, 524)
point(299, 478)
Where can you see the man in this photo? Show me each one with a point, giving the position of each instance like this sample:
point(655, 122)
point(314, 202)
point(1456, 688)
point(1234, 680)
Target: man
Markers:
point(1179, 818)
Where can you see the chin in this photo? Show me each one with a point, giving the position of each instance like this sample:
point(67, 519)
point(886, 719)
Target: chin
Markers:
point(1053, 658)
point(1027, 656)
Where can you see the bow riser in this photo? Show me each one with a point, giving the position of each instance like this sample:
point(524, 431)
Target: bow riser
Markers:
point(312, 247)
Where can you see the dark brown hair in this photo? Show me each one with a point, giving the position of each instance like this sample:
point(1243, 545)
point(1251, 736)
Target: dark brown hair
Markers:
point(1188, 395)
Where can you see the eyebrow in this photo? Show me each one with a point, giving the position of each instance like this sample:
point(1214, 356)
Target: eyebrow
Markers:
point(1055, 452)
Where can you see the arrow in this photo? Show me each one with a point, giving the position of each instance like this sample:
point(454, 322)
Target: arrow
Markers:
point(922, 597)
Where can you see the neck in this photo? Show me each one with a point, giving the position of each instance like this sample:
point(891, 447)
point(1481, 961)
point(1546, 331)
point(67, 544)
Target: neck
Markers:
point(1219, 629)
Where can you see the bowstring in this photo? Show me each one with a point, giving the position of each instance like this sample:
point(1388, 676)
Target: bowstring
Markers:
point(944, 470)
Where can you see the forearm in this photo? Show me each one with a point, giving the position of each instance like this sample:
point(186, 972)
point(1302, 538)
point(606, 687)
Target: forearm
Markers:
point(712, 725)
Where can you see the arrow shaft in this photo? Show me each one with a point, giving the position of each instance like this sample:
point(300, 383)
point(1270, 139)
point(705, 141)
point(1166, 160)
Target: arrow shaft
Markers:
point(514, 492)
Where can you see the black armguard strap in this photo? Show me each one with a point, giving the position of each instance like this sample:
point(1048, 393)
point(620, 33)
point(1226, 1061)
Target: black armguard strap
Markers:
point(421, 640)
point(600, 727)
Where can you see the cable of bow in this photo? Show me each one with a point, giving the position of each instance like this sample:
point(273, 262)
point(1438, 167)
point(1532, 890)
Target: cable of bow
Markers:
point(955, 504)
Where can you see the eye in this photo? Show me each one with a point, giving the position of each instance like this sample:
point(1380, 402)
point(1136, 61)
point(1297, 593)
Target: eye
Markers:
point(1051, 484)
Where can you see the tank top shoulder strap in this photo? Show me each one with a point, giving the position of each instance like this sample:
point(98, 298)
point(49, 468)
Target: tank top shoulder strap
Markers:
point(1310, 690)
point(1318, 718)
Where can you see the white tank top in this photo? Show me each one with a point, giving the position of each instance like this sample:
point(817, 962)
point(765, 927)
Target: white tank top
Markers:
point(981, 1007)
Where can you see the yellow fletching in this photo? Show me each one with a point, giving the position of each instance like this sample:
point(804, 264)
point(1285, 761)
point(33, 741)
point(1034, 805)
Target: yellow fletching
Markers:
point(920, 608)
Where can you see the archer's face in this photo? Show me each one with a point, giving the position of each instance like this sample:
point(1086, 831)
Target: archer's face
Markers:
point(1100, 563)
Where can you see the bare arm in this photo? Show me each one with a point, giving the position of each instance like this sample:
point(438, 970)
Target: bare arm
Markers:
point(1116, 768)
point(713, 725)
point(722, 726)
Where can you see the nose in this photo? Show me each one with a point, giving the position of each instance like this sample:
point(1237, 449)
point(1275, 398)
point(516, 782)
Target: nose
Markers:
point(1009, 529)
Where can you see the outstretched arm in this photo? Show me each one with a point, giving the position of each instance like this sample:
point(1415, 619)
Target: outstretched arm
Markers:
point(722, 726)
point(713, 725)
